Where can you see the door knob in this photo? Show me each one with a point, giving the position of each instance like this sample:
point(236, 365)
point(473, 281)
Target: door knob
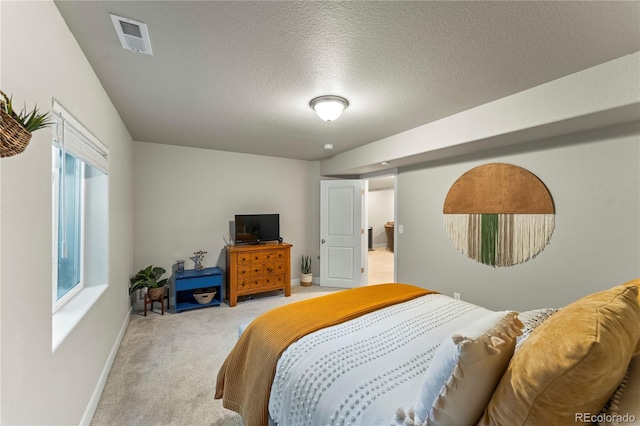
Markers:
point(323, 241)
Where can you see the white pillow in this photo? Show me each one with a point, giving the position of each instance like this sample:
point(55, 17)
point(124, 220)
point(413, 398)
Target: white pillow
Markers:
point(466, 369)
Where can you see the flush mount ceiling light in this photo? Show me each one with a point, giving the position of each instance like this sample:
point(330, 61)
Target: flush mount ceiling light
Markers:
point(329, 107)
point(328, 146)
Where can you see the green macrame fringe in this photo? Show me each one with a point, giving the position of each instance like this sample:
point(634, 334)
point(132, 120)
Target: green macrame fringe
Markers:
point(489, 238)
point(500, 239)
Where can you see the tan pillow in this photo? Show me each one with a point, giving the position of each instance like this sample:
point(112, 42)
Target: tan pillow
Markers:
point(466, 369)
point(571, 364)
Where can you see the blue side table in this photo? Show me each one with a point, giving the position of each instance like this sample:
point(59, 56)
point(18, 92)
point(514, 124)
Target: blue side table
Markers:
point(185, 282)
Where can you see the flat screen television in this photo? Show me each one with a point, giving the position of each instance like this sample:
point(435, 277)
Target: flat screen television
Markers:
point(257, 228)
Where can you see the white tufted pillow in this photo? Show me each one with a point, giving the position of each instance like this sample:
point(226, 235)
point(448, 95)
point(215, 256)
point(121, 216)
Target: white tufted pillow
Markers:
point(466, 369)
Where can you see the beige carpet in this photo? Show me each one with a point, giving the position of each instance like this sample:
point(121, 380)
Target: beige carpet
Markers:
point(166, 367)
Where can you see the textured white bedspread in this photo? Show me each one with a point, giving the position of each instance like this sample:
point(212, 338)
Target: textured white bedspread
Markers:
point(360, 371)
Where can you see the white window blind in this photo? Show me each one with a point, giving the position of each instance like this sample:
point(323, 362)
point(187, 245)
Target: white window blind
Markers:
point(72, 137)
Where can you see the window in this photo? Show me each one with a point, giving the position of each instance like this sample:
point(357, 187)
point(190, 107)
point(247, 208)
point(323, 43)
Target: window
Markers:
point(80, 208)
point(69, 207)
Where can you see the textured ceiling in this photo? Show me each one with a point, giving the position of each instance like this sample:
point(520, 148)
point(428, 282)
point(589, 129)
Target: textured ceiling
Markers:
point(238, 76)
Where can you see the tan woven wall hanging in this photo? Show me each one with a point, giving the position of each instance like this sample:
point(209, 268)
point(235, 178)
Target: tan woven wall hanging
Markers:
point(499, 214)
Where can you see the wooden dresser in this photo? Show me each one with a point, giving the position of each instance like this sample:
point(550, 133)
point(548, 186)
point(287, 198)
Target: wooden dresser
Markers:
point(255, 269)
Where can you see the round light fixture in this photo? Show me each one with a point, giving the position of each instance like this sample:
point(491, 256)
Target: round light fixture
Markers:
point(329, 107)
point(328, 146)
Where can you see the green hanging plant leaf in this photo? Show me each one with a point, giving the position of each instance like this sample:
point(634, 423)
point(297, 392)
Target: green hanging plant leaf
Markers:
point(31, 120)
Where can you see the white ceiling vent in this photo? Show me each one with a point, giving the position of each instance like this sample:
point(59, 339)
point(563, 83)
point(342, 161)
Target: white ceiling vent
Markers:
point(132, 34)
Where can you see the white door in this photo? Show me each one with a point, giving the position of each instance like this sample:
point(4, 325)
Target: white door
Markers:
point(341, 233)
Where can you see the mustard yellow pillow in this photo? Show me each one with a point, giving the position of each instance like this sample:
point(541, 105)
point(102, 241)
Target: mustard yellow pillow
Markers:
point(571, 364)
point(636, 283)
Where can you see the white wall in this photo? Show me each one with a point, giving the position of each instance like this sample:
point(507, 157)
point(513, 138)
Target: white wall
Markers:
point(594, 178)
point(186, 197)
point(381, 210)
point(38, 386)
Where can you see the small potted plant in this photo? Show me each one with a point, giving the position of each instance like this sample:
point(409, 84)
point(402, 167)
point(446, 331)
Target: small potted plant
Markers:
point(306, 277)
point(16, 126)
point(149, 278)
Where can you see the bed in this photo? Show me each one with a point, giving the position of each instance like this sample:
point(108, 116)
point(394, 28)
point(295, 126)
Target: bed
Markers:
point(396, 354)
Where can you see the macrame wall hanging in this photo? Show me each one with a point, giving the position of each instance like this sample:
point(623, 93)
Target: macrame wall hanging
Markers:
point(499, 214)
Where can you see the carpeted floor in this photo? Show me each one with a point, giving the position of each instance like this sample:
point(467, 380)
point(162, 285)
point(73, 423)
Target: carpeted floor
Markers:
point(166, 367)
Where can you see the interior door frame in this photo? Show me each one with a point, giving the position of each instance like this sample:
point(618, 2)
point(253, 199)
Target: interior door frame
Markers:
point(365, 177)
point(354, 238)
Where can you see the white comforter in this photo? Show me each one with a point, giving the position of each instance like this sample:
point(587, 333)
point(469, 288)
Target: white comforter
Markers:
point(359, 372)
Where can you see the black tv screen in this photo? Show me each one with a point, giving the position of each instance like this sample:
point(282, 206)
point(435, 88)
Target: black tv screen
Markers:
point(257, 228)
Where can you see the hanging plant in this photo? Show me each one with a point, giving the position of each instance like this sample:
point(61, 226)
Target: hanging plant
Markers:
point(16, 126)
point(30, 121)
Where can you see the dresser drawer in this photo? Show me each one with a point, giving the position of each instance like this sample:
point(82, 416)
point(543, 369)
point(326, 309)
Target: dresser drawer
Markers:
point(257, 269)
point(244, 271)
point(279, 267)
point(244, 258)
point(257, 257)
point(268, 268)
point(273, 280)
point(270, 255)
point(258, 283)
point(279, 255)
point(249, 284)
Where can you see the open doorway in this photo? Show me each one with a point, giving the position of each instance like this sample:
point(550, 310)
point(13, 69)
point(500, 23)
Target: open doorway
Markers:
point(380, 216)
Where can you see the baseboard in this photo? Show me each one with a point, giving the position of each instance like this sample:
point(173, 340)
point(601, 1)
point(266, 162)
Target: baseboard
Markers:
point(97, 392)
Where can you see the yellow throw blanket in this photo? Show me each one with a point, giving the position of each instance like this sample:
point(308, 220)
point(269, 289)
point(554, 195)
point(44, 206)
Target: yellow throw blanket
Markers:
point(244, 380)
